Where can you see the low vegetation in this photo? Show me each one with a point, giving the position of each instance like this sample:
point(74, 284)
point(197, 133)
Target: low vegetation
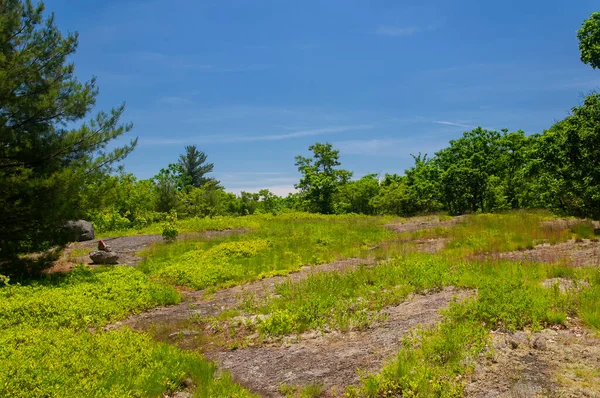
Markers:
point(57, 166)
point(52, 342)
point(64, 314)
point(276, 245)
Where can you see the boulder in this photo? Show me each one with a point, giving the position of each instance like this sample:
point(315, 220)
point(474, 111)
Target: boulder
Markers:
point(102, 257)
point(79, 230)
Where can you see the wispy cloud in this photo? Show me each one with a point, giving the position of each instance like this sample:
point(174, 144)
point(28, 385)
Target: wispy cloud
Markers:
point(304, 133)
point(279, 190)
point(399, 31)
point(248, 173)
point(389, 147)
point(241, 138)
point(446, 123)
point(176, 101)
point(449, 123)
point(380, 147)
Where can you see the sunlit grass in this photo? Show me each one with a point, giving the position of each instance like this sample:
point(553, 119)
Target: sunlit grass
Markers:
point(47, 346)
point(288, 242)
point(52, 344)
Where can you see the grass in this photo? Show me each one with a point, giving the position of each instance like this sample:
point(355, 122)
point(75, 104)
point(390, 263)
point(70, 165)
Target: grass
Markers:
point(82, 298)
point(52, 342)
point(192, 225)
point(277, 246)
point(434, 361)
point(517, 230)
point(510, 296)
point(67, 363)
point(309, 391)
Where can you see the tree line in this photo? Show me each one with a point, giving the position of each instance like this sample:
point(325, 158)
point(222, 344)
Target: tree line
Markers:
point(51, 172)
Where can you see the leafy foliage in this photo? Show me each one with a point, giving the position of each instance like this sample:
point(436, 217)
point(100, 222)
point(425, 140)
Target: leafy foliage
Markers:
point(67, 363)
point(42, 162)
point(566, 161)
point(81, 298)
point(589, 40)
point(170, 231)
point(321, 179)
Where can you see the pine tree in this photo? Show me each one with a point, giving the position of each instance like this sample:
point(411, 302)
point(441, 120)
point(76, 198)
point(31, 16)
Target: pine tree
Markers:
point(194, 166)
point(43, 160)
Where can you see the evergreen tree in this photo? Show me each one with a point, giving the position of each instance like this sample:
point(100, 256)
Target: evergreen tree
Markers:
point(193, 163)
point(43, 161)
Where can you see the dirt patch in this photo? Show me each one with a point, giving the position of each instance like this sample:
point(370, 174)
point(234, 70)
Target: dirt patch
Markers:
point(564, 284)
point(431, 245)
point(196, 303)
point(332, 359)
point(561, 224)
point(576, 253)
point(127, 247)
point(551, 363)
point(421, 223)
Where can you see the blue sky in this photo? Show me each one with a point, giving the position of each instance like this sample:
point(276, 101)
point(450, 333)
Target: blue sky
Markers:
point(253, 83)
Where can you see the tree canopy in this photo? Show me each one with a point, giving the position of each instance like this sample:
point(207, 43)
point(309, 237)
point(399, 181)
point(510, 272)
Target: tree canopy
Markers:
point(193, 164)
point(321, 178)
point(44, 161)
point(589, 40)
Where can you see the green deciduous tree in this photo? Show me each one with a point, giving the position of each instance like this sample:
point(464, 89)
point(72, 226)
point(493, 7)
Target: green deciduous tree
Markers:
point(168, 186)
point(589, 40)
point(484, 170)
point(321, 179)
point(355, 196)
point(44, 160)
point(567, 163)
point(193, 164)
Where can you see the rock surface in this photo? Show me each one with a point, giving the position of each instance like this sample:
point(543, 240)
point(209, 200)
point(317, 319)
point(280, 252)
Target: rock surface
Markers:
point(102, 257)
point(80, 230)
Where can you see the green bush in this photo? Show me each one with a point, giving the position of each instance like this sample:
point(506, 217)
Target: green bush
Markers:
point(67, 363)
point(82, 298)
point(170, 231)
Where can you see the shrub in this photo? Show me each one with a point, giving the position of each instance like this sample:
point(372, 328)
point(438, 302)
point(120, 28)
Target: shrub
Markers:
point(170, 231)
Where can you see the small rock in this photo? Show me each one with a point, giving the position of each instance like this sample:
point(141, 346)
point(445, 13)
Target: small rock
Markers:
point(516, 339)
point(182, 394)
point(539, 343)
point(187, 382)
point(102, 257)
point(103, 246)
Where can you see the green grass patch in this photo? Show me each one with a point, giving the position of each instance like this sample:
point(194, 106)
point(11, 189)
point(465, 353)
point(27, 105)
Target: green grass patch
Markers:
point(47, 348)
point(67, 363)
point(332, 300)
point(279, 245)
point(81, 298)
point(510, 295)
point(194, 224)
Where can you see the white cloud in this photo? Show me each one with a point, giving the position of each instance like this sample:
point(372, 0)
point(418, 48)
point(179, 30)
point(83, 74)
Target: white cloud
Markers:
point(379, 147)
point(232, 174)
point(279, 190)
point(446, 123)
point(233, 139)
